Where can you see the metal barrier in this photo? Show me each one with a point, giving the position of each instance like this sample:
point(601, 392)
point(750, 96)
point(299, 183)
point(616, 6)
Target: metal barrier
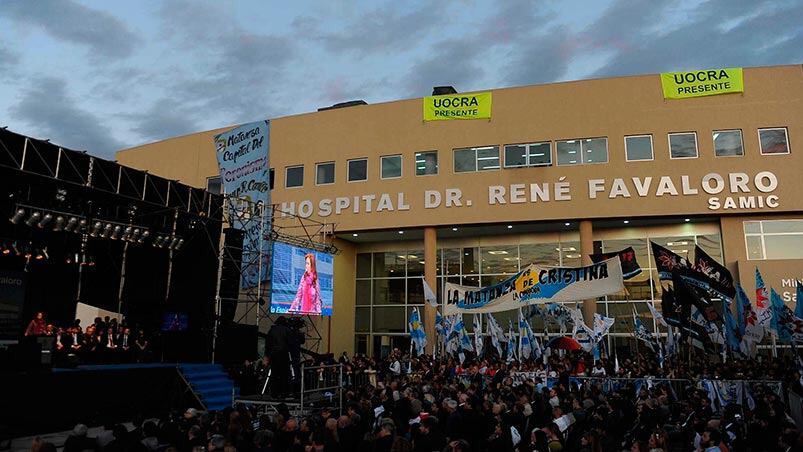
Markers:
point(323, 381)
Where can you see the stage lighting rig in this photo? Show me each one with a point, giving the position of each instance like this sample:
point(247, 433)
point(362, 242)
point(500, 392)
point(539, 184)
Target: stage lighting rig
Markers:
point(17, 216)
point(72, 224)
point(58, 225)
point(45, 220)
point(33, 218)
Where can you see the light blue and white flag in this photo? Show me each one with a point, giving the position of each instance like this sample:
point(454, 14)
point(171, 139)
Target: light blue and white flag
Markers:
point(511, 344)
point(429, 294)
point(417, 335)
point(525, 346)
point(496, 333)
point(477, 334)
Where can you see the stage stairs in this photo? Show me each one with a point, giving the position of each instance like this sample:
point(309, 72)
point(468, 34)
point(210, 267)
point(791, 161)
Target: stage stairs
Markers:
point(210, 383)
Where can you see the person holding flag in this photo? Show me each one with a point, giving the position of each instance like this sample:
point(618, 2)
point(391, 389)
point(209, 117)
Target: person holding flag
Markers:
point(477, 323)
point(525, 346)
point(496, 333)
point(418, 337)
point(511, 345)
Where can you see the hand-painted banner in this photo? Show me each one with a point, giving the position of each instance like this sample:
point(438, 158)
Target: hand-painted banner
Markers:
point(711, 82)
point(458, 106)
point(242, 156)
point(535, 284)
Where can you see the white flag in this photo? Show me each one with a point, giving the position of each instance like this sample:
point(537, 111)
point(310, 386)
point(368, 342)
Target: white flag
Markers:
point(657, 315)
point(429, 295)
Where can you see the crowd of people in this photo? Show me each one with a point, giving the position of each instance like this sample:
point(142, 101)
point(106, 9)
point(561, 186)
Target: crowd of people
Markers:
point(422, 404)
point(402, 403)
point(105, 340)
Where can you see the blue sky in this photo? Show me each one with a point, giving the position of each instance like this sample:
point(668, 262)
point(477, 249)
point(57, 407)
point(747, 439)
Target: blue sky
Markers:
point(99, 76)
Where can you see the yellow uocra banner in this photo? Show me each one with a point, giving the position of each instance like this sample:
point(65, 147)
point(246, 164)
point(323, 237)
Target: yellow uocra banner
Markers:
point(458, 106)
point(710, 82)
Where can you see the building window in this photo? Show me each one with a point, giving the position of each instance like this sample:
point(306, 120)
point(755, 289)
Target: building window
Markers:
point(533, 154)
point(358, 170)
point(587, 150)
point(638, 147)
point(391, 166)
point(325, 173)
point(426, 163)
point(214, 186)
point(773, 141)
point(728, 143)
point(476, 159)
point(294, 176)
point(683, 145)
point(774, 239)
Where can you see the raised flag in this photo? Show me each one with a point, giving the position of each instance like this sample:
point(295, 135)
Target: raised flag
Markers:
point(496, 333)
point(784, 323)
point(477, 323)
point(763, 308)
point(525, 347)
point(429, 294)
point(511, 344)
point(666, 261)
point(732, 337)
point(627, 257)
point(750, 330)
point(417, 335)
point(799, 299)
point(656, 315)
point(719, 277)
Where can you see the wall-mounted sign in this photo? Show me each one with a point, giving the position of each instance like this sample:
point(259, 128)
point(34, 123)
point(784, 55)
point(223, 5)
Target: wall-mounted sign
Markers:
point(710, 82)
point(458, 106)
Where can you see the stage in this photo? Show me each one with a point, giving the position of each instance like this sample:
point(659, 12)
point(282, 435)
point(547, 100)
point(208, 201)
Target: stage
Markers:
point(56, 400)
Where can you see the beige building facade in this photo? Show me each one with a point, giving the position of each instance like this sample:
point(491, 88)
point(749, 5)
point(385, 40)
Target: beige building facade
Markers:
point(559, 171)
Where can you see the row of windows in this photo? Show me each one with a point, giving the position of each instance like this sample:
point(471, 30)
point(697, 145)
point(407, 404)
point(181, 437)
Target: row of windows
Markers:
point(682, 145)
point(774, 239)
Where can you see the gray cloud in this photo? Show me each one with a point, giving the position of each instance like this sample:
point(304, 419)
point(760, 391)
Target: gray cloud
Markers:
point(235, 71)
point(52, 113)
point(8, 63)
point(164, 119)
point(544, 58)
point(67, 20)
point(758, 33)
point(455, 62)
point(385, 29)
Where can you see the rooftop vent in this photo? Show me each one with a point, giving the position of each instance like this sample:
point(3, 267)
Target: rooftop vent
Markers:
point(351, 103)
point(443, 90)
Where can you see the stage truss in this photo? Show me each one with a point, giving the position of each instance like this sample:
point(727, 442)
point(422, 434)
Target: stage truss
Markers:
point(272, 225)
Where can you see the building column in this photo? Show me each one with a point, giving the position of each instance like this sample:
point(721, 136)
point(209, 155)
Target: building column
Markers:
point(431, 276)
point(586, 249)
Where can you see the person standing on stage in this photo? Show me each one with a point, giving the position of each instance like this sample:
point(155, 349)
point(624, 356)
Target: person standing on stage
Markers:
point(37, 327)
point(277, 347)
point(308, 296)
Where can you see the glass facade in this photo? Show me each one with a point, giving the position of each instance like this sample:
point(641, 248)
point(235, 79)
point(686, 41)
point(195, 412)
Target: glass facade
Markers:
point(389, 283)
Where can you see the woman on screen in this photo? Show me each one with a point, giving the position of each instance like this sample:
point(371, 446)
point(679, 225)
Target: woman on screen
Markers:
point(308, 296)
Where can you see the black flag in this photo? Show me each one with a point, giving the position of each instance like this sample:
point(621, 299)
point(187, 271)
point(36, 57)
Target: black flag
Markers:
point(719, 278)
point(666, 261)
point(627, 257)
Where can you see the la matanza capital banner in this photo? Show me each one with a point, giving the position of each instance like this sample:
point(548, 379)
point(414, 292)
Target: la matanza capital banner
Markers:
point(535, 284)
point(458, 106)
point(707, 82)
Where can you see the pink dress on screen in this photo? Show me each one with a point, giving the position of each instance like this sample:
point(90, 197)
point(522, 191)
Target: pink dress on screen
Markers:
point(308, 296)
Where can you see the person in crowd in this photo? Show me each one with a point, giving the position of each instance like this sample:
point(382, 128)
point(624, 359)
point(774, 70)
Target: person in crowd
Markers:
point(37, 326)
point(142, 349)
point(78, 440)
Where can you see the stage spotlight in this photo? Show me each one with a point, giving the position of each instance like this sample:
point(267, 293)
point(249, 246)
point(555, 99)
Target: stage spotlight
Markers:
point(45, 220)
point(17, 216)
point(59, 224)
point(107, 230)
point(71, 224)
point(90, 262)
point(27, 254)
point(81, 226)
point(36, 216)
point(145, 235)
point(116, 233)
point(173, 243)
point(179, 245)
point(16, 249)
point(96, 229)
point(134, 235)
point(44, 253)
point(127, 233)
point(39, 256)
point(6, 250)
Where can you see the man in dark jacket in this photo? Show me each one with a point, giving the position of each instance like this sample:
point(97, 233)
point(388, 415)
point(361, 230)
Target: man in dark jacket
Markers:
point(277, 347)
point(430, 437)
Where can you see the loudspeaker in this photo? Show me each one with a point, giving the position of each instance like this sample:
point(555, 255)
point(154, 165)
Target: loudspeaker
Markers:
point(230, 275)
point(235, 343)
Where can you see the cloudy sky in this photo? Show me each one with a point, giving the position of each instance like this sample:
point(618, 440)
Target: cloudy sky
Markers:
point(99, 76)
